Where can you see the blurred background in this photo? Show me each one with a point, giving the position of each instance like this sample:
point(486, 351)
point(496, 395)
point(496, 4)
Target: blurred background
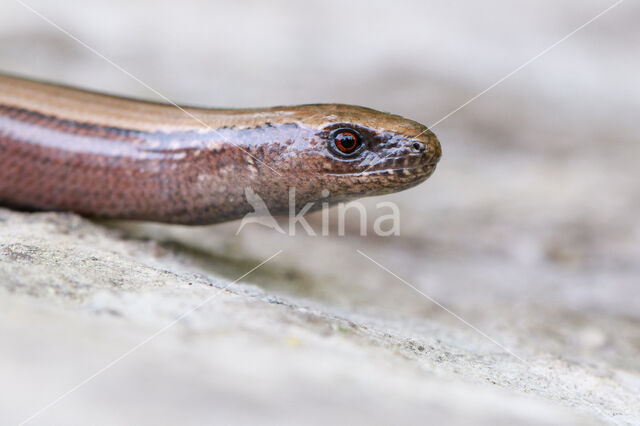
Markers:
point(528, 229)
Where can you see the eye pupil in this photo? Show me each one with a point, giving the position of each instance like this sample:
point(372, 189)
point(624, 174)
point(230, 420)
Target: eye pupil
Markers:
point(346, 142)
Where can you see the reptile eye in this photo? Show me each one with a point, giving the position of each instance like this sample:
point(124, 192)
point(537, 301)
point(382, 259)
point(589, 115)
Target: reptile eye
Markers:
point(346, 141)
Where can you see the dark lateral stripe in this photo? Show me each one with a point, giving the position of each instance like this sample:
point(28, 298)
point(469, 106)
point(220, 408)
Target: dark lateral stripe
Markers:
point(68, 126)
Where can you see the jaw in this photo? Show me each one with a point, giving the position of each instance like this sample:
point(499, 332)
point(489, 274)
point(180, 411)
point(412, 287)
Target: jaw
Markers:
point(390, 176)
point(350, 186)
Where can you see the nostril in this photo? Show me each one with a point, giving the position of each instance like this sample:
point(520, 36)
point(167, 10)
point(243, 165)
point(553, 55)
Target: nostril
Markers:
point(417, 147)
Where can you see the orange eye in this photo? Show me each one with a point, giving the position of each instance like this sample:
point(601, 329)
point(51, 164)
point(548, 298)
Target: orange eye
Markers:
point(346, 141)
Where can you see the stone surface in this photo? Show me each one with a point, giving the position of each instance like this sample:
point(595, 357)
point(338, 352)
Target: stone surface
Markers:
point(150, 338)
point(524, 244)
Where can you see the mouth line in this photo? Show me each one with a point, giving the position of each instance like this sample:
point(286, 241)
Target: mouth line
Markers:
point(407, 171)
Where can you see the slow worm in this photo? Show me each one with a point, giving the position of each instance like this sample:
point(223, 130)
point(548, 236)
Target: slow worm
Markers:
point(104, 156)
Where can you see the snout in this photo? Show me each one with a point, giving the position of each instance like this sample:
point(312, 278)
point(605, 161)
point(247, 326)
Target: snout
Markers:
point(427, 146)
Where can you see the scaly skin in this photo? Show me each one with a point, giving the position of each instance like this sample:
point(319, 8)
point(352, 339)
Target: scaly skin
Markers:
point(103, 156)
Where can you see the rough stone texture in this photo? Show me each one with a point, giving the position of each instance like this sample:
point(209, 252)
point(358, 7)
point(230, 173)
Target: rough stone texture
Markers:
point(76, 297)
point(528, 230)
